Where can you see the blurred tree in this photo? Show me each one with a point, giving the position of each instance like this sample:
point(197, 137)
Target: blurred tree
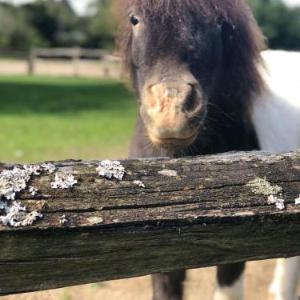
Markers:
point(6, 24)
point(280, 23)
point(101, 24)
point(15, 32)
point(55, 21)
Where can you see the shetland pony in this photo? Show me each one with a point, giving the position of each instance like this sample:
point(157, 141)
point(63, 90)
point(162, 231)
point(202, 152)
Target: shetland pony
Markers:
point(196, 68)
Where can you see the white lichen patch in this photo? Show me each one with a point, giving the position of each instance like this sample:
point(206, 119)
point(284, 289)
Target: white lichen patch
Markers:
point(63, 220)
point(111, 169)
point(95, 220)
point(139, 183)
point(169, 173)
point(29, 219)
point(271, 200)
point(260, 186)
point(279, 203)
point(33, 169)
point(15, 215)
point(3, 205)
point(33, 191)
point(48, 167)
point(297, 201)
point(63, 180)
point(14, 181)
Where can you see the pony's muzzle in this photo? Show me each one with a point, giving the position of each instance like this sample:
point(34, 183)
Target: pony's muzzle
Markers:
point(168, 109)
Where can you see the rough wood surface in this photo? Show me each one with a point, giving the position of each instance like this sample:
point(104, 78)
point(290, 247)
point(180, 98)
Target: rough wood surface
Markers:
point(193, 212)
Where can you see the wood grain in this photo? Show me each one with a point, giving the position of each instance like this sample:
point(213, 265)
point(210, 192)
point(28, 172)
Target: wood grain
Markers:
point(193, 212)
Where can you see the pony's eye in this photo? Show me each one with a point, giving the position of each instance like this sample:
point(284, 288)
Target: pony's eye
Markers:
point(134, 20)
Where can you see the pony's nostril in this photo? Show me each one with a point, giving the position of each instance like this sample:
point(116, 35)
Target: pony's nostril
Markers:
point(190, 102)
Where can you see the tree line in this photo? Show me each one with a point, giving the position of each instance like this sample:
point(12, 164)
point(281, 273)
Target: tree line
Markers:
point(54, 23)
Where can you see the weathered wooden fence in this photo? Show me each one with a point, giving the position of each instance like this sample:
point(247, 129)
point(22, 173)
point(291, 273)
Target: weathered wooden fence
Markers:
point(163, 215)
point(73, 54)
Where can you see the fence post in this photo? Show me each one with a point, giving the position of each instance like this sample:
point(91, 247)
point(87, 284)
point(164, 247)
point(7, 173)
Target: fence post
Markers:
point(31, 61)
point(76, 54)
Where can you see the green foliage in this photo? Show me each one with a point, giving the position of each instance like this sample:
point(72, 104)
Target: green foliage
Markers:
point(55, 21)
point(280, 24)
point(101, 25)
point(15, 32)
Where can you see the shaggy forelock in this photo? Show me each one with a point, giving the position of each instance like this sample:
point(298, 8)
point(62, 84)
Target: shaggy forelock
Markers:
point(228, 9)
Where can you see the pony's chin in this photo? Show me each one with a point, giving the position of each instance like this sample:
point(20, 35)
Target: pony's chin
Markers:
point(173, 143)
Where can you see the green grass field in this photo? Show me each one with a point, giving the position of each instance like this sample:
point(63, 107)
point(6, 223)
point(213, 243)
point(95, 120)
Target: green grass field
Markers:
point(60, 118)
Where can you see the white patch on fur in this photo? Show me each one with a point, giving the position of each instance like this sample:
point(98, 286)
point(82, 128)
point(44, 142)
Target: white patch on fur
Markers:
point(285, 281)
point(276, 118)
point(235, 292)
point(276, 112)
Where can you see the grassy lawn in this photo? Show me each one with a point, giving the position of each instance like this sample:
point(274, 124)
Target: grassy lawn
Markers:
point(59, 118)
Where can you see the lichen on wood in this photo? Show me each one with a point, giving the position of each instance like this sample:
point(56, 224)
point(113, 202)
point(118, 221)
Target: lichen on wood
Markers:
point(33, 191)
point(111, 169)
point(139, 183)
point(63, 220)
point(49, 167)
point(95, 220)
point(63, 180)
point(169, 173)
point(12, 182)
point(15, 215)
point(103, 228)
point(279, 203)
point(260, 186)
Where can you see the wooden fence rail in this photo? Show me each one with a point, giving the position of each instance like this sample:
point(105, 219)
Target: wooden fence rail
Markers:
point(163, 215)
point(74, 54)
